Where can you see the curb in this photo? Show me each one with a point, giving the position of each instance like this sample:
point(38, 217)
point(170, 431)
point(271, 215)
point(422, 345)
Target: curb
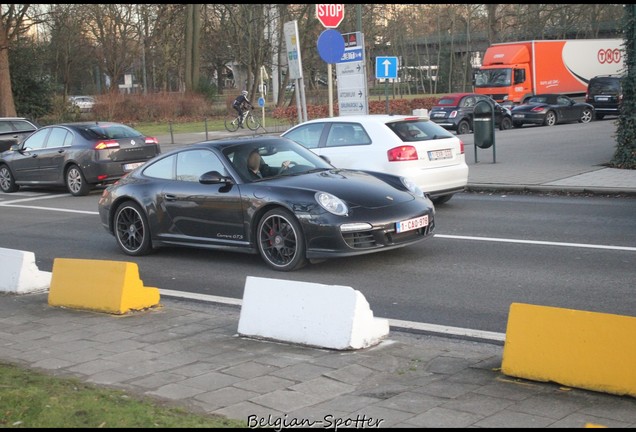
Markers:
point(582, 190)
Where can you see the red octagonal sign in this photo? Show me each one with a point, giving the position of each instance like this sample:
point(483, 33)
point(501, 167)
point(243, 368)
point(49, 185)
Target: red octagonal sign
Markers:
point(330, 15)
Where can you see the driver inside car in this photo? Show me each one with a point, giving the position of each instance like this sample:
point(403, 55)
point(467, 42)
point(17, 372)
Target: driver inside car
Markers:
point(257, 168)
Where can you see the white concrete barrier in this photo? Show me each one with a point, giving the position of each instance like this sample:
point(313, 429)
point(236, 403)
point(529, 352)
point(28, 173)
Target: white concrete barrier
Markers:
point(19, 273)
point(327, 316)
point(420, 112)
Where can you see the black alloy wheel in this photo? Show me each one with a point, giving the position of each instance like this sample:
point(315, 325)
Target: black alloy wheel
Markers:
point(131, 229)
point(280, 240)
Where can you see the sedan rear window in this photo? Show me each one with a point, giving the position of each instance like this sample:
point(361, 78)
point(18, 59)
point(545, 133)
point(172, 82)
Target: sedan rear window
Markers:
point(418, 130)
point(118, 131)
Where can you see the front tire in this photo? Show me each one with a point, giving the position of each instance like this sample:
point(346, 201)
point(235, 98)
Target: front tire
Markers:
point(550, 119)
point(280, 240)
point(252, 123)
point(131, 229)
point(463, 127)
point(586, 116)
point(506, 123)
point(7, 181)
point(76, 182)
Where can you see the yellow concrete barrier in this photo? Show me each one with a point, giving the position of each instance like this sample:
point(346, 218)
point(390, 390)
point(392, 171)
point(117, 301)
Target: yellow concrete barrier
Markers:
point(588, 350)
point(106, 286)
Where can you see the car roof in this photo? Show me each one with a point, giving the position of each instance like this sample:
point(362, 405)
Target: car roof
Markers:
point(362, 118)
point(456, 97)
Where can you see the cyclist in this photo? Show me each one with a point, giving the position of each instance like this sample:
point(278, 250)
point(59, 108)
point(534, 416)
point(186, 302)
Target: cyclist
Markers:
point(241, 104)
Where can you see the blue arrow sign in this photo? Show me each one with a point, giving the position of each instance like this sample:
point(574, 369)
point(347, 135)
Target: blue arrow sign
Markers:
point(386, 67)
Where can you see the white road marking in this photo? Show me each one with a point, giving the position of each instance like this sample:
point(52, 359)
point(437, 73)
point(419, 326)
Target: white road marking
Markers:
point(538, 242)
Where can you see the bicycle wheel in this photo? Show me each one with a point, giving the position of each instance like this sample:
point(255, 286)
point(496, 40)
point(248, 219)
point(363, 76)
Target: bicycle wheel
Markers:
point(231, 124)
point(252, 122)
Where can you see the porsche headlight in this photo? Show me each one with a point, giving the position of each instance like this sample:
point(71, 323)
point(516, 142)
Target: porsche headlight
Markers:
point(332, 203)
point(412, 187)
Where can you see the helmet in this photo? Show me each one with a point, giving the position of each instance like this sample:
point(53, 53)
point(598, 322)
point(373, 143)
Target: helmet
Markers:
point(244, 92)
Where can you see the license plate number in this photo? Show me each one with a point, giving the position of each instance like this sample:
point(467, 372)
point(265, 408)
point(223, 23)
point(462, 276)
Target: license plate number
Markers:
point(518, 115)
point(439, 114)
point(440, 154)
point(602, 98)
point(132, 166)
point(411, 224)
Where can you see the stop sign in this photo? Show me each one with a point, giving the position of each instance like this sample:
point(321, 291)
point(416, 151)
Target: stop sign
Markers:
point(330, 15)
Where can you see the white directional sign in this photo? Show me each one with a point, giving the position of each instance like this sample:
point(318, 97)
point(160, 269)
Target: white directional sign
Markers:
point(352, 77)
point(386, 67)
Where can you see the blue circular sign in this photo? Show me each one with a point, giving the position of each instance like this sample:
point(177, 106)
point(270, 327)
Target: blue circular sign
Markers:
point(331, 46)
point(261, 102)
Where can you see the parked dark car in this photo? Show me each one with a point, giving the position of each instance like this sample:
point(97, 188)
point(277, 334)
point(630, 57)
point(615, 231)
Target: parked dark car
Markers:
point(551, 109)
point(203, 196)
point(605, 94)
point(76, 155)
point(455, 112)
point(13, 130)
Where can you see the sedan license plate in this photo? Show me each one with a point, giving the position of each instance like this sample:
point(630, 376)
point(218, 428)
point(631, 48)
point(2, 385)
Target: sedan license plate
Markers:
point(440, 154)
point(132, 166)
point(411, 224)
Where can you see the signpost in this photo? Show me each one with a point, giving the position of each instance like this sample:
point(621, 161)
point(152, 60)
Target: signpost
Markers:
point(330, 16)
point(352, 76)
point(386, 68)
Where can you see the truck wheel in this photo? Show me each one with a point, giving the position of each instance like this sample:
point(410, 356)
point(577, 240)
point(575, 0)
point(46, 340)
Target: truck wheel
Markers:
point(550, 119)
point(506, 123)
point(463, 127)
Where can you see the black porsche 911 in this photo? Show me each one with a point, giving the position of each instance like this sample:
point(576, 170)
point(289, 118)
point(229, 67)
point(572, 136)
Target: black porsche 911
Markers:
point(551, 109)
point(302, 209)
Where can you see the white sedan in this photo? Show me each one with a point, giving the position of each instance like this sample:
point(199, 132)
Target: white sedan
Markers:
point(409, 146)
point(84, 103)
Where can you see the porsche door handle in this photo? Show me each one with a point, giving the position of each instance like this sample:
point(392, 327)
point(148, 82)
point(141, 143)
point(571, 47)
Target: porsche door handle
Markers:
point(170, 197)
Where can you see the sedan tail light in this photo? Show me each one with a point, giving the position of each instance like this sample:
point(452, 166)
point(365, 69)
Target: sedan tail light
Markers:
point(402, 153)
point(103, 145)
point(461, 146)
point(152, 140)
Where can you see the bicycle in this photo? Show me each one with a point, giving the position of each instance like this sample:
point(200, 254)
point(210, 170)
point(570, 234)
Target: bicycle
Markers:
point(252, 123)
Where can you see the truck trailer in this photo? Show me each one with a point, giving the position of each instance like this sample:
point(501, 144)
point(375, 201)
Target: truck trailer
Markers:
point(513, 71)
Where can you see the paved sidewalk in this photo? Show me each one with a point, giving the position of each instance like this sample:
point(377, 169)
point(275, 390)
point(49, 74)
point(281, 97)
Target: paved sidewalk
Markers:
point(187, 352)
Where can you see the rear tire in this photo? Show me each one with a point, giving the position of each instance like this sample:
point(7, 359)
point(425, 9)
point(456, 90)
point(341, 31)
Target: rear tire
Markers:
point(550, 119)
point(76, 182)
point(586, 116)
point(441, 199)
point(231, 124)
point(463, 127)
point(131, 229)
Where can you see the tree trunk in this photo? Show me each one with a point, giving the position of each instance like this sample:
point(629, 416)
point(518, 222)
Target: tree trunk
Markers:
point(7, 106)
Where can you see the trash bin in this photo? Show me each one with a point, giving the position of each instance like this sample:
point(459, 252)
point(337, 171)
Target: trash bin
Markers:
point(484, 124)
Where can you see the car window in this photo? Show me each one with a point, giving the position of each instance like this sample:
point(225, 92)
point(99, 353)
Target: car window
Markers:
point(418, 130)
point(36, 140)
point(563, 101)
point(192, 164)
point(347, 134)
point(605, 85)
point(22, 126)
point(307, 135)
point(57, 137)
point(5, 127)
point(468, 102)
point(446, 101)
point(107, 131)
point(162, 169)
point(537, 100)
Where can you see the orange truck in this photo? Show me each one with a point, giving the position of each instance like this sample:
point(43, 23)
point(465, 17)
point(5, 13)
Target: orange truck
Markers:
point(513, 71)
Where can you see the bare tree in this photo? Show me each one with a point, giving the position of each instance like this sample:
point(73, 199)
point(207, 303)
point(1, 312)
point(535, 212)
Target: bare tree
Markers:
point(12, 24)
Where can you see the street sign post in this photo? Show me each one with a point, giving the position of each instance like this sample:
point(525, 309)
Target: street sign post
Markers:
point(330, 47)
point(330, 15)
point(352, 77)
point(386, 68)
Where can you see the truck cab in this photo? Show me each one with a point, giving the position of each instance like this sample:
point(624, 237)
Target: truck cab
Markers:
point(505, 75)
